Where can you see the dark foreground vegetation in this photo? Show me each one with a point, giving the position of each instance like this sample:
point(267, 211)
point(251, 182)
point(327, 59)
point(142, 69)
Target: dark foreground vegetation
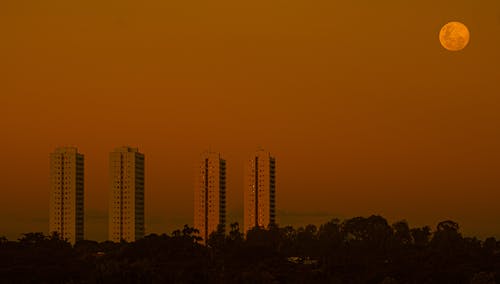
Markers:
point(357, 250)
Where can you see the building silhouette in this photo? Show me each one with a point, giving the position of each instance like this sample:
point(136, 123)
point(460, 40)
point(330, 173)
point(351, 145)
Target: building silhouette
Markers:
point(126, 202)
point(260, 191)
point(66, 211)
point(210, 195)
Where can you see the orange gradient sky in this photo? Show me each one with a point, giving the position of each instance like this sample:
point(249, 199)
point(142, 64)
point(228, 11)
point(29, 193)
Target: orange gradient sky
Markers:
point(364, 110)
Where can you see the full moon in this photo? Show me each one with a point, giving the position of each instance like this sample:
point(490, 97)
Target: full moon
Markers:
point(454, 36)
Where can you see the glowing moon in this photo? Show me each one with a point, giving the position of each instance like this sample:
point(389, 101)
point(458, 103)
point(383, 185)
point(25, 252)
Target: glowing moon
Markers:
point(454, 36)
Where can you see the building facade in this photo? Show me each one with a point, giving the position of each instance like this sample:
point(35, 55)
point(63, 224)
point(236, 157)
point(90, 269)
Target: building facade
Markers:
point(66, 211)
point(210, 195)
point(126, 201)
point(260, 191)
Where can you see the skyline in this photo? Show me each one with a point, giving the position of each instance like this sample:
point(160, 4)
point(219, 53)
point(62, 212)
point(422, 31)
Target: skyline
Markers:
point(127, 190)
point(207, 155)
point(366, 111)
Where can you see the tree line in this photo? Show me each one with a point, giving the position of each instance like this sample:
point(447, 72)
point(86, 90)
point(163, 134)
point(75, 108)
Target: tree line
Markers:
point(356, 250)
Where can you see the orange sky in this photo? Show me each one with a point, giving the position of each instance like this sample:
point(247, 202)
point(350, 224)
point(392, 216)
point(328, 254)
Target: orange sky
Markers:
point(364, 110)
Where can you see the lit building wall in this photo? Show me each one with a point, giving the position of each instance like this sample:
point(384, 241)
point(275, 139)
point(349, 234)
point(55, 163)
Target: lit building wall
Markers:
point(260, 191)
point(126, 201)
point(66, 212)
point(210, 195)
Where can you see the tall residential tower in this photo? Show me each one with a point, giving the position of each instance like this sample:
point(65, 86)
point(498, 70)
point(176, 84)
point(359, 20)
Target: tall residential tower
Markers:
point(126, 202)
point(66, 194)
point(210, 195)
point(260, 191)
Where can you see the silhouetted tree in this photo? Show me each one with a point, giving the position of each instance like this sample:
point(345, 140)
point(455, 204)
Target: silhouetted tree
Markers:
point(217, 239)
point(447, 236)
point(32, 239)
point(234, 234)
point(373, 232)
point(307, 240)
point(357, 250)
point(490, 245)
point(288, 238)
point(389, 280)
point(421, 236)
point(402, 233)
point(191, 234)
point(483, 278)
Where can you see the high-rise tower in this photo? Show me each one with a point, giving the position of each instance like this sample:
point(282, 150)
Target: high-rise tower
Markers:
point(66, 194)
point(210, 195)
point(260, 191)
point(126, 202)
